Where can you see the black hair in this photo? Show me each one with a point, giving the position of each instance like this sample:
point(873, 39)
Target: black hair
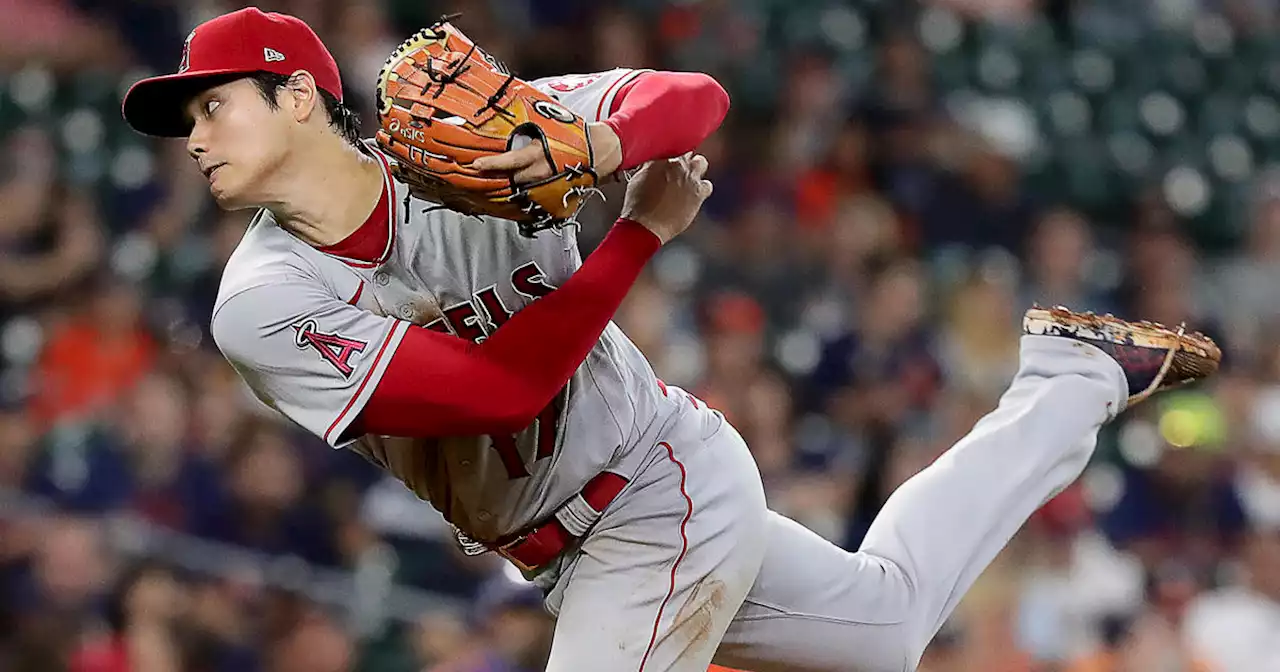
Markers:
point(343, 119)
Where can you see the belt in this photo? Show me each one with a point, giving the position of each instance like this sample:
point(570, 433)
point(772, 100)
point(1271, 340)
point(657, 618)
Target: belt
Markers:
point(539, 545)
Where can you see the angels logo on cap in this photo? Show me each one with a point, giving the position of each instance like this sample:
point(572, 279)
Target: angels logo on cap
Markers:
point(186, 52)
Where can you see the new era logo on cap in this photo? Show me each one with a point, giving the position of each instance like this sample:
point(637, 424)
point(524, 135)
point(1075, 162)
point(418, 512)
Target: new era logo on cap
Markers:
point(271, 55)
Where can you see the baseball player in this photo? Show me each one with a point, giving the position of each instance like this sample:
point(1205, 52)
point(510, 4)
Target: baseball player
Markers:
point(480, 367)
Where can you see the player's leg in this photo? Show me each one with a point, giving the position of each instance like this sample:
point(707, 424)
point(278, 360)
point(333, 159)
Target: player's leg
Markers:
point(817, 607)
point(656, 584)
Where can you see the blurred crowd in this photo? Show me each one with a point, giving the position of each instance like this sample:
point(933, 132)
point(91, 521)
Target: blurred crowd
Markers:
point(895, 184)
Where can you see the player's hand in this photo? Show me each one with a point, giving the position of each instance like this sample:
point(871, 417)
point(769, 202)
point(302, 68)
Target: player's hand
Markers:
point(528, 163)
point(665, 195)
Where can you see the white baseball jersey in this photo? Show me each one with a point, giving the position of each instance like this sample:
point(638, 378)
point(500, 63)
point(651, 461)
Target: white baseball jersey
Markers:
point(312, 333)
point(687, 564)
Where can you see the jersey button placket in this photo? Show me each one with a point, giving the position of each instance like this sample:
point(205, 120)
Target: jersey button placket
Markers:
point(382, 278)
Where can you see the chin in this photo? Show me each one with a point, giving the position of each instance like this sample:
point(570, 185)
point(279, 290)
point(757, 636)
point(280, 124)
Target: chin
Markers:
point(229, 199)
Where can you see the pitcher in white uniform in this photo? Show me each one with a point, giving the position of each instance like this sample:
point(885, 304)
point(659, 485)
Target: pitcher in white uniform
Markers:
point(480, 368)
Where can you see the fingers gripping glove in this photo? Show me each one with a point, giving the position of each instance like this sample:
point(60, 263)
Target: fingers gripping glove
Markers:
point(443, 103)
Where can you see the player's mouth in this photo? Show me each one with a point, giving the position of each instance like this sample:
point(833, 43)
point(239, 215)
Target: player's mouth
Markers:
point(211, 169)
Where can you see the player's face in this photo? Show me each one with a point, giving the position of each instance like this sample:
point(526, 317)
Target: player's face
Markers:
point(238, 141)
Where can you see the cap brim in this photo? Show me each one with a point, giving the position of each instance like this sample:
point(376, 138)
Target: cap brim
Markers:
point(153, 106)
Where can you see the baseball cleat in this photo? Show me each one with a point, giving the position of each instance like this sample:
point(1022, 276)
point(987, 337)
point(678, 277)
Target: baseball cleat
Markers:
point(1152, 356)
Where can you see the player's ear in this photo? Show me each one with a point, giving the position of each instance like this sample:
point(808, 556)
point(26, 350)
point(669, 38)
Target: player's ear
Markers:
point(302, 96)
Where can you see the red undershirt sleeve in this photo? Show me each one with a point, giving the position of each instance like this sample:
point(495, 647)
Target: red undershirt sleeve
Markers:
point(660, 115)
point(440, 385)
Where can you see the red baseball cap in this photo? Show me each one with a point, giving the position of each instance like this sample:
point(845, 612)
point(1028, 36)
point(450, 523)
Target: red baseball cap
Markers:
point(240, 43)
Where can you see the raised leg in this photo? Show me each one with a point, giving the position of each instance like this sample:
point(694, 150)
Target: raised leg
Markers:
point(817, 607)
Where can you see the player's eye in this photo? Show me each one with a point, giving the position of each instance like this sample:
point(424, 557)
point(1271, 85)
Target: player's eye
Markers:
point(211, 105)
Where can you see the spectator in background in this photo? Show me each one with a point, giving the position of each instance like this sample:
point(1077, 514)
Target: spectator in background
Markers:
point(1138, 644)
point(719, 36)
point(511, 630)
point(139, 635)
point(809, 107)
point(1251, 279)
point(647, 316)
point(312, 643)
point(1171, 288)
point(171, 483)
point(1057, 265)
point(1148, 636)
point(170, 236)
point(222, 625)
point(879, 371)
point(981, 205)
point(620, 41)
point(50, 234)
point(80, 467)
point(94, 357)
point(57, 32)
point(197, 289)
point(218, 407)
point(902, 89)
point(865, 231)
point(514, 623)
point(362, 45)
point(757, 259)
point(842, 174)
point(1181, 499)
point(990, 634)
point(440, 640)
point(268, 509)
point(1159, 255)
point(767, 425)
point(735, 353)
point(862, 229)
point(978, 348)
point(1072, 580)
point(1234, 627)
point(57, 594)
point(901, 110)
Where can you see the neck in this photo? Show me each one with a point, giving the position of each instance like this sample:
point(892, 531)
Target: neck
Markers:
point(329, 192)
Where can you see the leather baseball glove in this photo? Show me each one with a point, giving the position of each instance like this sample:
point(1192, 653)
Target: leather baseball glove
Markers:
point(444, 102)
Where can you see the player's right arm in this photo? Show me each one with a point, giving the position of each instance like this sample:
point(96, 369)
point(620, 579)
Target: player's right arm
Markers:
point(340, 371)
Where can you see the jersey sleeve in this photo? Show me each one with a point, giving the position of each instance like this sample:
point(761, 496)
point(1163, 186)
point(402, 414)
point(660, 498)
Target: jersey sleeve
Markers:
point(309, 355)
point(590, 96)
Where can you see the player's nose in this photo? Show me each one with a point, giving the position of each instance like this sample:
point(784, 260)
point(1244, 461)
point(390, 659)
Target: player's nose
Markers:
point(196, 142)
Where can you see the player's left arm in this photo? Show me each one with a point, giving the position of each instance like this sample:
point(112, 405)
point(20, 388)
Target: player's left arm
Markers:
point(660, 115)
point(633, 116)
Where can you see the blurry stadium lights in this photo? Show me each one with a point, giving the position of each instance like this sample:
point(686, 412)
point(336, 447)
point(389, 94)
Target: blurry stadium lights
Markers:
point(1231, 158)
point(32, 89)
point(1187, 191)
point(940, 30)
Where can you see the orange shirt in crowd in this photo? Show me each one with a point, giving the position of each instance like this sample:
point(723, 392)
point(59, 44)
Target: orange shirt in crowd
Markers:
point(81, 370)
